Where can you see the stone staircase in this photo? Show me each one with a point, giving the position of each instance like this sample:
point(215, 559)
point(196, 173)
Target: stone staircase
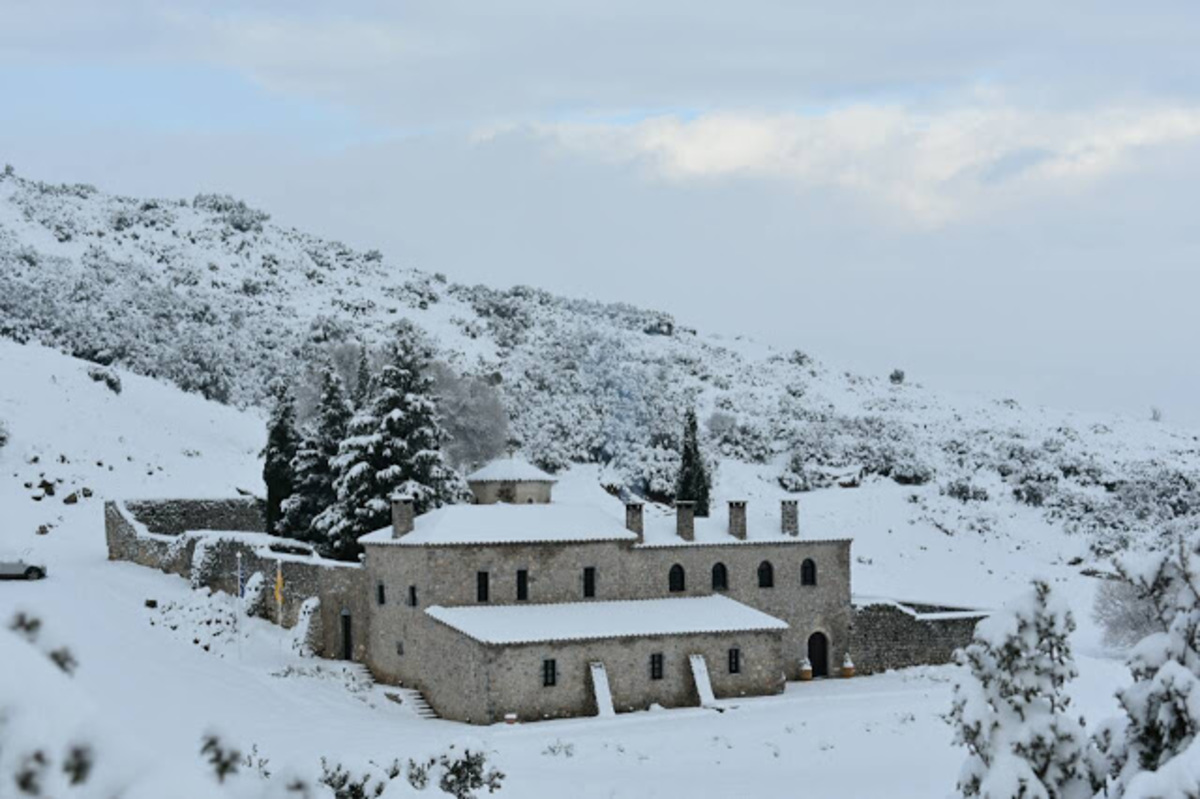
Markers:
point(413, 700)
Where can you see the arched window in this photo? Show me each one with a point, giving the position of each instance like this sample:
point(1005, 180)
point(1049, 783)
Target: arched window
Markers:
point(675, 580)
point(808, 572)
point(766, 575)
point(720, 577)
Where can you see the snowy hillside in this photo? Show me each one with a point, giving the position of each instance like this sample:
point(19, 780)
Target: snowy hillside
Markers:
point(152, 681)
point(208, 294)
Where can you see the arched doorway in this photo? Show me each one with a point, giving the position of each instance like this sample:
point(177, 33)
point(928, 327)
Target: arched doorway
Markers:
point(347, 641)
point(818, 654)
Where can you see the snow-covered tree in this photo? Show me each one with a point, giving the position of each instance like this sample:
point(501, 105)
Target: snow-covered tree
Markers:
point(1153, 750)
point(362, 382)
point(1011, 710)
point(476, 421)
point(693, 482)
point(312, 467)
point(394, 446)
point(279, 451)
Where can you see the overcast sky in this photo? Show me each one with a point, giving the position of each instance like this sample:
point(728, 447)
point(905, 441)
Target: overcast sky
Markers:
point(997, 197)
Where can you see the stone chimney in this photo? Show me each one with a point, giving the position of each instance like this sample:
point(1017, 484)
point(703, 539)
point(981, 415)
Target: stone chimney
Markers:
point(633, 519)
point(790, 518)
point(402, 515)
point(737, 519)
point(685, 519)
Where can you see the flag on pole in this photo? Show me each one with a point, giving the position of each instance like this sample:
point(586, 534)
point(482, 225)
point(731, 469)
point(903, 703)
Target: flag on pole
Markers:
point(278, 583)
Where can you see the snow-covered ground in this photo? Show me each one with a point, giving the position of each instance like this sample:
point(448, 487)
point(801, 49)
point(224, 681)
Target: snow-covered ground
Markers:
point(158, 678)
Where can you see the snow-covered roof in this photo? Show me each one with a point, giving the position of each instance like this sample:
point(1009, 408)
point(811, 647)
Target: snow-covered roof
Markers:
point(582, 621)
point(761, 528)
point(512, 468)
point(506, 524)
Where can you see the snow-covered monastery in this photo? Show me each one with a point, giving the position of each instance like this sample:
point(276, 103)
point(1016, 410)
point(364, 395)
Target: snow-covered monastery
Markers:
point(520, 607)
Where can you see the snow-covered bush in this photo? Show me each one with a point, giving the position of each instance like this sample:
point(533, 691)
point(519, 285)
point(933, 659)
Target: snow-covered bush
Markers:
point(4, 434)
point(256, 596)
point(964, 491)
point(1125, 613)
point(236, 213)
point(106, 376)
point(1152, 751)
point(897, 377)
point(1011, 710)
point(473, 414)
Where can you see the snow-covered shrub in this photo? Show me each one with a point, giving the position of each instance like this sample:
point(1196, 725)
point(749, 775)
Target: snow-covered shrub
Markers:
point(306, 634)
point(236, 213)
point(256, 596)
point(964, 491)
point(1125, 613)
point(1152, 751)
point(4, 434)
point(1011, 709)
point(897, 377)
point(106, 376)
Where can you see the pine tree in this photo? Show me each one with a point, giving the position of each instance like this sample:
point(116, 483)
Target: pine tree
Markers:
point(312, 467)
point(1150, 751)
point(393, 446)
point(362, 382)
point(1011, 709)
point(280, 450)
point(693, 483)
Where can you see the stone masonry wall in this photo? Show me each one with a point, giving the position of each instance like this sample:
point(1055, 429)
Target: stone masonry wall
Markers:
point(447, 576)
point(175, 516)
point(340, 586)
point(514, 491)
point(513, 674)
point(886, 637)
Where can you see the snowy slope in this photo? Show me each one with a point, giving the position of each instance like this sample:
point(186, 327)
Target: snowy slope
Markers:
point(210, 295)
point(155, 680)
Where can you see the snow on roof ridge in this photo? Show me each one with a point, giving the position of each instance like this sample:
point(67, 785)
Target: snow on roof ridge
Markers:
point(513, 468)
point(585, 621)
point(501, 523)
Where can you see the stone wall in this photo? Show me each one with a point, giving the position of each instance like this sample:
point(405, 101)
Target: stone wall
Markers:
point(446, 575)
point(175, 516)
point(208, 556)
point(517, 492)
point(509, 678)
point(892, 636)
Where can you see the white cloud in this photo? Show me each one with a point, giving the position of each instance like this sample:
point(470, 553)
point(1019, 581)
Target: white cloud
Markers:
point(933, 167)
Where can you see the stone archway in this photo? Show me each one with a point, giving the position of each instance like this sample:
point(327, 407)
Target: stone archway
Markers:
point(818, 654)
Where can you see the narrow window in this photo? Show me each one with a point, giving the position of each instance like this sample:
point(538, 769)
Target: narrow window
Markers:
point(735, 661)
point(522, 585)
point(675, 579)
point(549, 672)
point(380, 595)
point(481, 586)
point(766, 575)
point(656, 666)
point(412, 596)
point(400, 648)
point(589, 582)
point(720, 577)
point(808, 572)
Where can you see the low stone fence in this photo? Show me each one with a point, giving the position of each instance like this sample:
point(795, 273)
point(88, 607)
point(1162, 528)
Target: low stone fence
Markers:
point(201, 539)
point(888, 634)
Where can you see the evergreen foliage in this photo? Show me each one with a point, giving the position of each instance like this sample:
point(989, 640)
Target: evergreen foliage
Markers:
point(693, 482)
point(393, 447)
point(362, 383)
point(312, 467)
point(279, 451)
point(1011, 708)
point(1153, 750)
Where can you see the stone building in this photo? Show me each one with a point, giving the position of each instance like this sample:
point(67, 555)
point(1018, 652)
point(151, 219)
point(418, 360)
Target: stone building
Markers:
point(517, 606)
point(528, 595)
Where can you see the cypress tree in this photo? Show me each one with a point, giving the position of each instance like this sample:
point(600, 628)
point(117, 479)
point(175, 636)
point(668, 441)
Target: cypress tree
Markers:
point(312, 467)
point(362, 381)
point(393, 446)
point(693, 482)
point(280, 450)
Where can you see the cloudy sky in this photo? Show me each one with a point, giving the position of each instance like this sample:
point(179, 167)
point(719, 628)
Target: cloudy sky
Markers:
point(999, 198)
